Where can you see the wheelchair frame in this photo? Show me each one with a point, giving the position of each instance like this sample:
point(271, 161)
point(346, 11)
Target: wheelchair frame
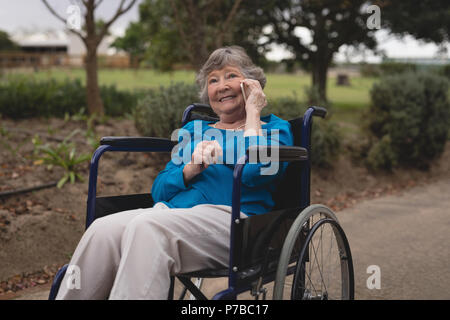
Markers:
point(252, 278)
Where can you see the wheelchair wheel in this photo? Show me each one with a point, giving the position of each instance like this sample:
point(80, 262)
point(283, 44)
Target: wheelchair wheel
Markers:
point(315, 262)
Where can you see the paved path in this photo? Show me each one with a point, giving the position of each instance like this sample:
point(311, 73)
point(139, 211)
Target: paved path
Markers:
point(407, 236)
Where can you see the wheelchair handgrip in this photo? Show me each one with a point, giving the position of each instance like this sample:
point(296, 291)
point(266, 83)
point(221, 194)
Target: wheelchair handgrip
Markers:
point(285, 153)
point(138, 142)
point(319, 111)
point(204, 109)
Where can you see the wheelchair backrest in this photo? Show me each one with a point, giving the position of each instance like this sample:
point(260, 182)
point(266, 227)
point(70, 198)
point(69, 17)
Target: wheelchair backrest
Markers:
point(287, 194)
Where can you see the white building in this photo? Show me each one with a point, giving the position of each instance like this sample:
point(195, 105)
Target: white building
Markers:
point(65, 44)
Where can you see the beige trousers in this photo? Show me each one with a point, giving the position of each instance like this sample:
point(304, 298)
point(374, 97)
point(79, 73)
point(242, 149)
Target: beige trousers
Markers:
point(132, 254)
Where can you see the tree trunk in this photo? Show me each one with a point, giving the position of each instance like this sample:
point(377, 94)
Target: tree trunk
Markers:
point(94, 100)
point(319, 77)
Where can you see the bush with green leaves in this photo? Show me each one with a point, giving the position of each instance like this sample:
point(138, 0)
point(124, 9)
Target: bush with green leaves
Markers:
point(158, 113)
point(393, 68)
point(408, 121)
point(445, 71)
point(325, 136)
point(63, 155)
point(24, 97)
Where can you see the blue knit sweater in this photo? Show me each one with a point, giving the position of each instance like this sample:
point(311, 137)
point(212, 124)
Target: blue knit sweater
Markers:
point(215, 184)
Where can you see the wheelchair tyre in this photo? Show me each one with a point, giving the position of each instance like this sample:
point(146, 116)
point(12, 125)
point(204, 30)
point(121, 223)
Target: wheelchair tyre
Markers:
point(315, 262)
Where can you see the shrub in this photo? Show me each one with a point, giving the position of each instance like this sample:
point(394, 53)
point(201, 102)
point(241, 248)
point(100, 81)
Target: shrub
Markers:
point(158, 112)
point(22, 97)
point(369, 70)
point(325, 143)
point(325, 136)
point(392, 68)
point(407, 121)
point(285, 107)
point(118, 102)
point(445, 71)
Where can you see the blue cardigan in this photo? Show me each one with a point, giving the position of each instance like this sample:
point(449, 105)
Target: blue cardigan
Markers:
point(215, 184)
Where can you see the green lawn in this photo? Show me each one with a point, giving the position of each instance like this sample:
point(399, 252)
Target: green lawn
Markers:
point(357, 95)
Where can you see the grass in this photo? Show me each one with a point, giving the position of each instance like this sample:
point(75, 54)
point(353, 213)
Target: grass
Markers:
point(348, 102)
point(357, 95)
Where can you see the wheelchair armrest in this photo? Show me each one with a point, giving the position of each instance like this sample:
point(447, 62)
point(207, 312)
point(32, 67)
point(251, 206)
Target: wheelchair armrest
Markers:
point(285, 153)
point(138, 142)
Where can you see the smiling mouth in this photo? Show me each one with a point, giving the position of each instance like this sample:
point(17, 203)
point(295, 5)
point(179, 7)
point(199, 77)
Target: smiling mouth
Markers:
point(227, 98)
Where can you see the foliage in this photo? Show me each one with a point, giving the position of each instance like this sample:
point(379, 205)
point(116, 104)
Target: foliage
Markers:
point(6, 44)
point(408, 121)
point(392, 68)
point(325, 135)
point(325, 143)
point(24, 97)
point(288, 107)
point(428, 20)
point(173, 32)
point(63, 155)
point(445, 71)
point(158, 113)
point(132, 42)
point(386, 68)
point(331, 24)
point(369, 70)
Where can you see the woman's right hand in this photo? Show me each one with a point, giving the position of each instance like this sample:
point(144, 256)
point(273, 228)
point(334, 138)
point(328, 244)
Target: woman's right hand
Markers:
point(205, 153)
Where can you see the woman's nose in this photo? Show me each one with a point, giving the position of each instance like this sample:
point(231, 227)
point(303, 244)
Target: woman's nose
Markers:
point(223, 86)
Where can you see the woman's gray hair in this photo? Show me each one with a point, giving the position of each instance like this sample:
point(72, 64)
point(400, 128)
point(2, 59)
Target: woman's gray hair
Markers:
point(228, 56)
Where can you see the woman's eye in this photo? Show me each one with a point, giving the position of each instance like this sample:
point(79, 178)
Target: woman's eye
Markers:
point(212, 80)
point(232, 75)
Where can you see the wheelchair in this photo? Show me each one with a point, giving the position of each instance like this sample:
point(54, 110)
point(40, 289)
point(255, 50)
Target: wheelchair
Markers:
point(299, 247)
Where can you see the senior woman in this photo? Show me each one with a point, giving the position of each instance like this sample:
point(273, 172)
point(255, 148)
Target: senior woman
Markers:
point(132, 254)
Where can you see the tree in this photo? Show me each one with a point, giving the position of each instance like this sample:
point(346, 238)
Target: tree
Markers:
point(154, 36)
point(183, 31)
point(132, 43)
point(93, 33)
point(6, 44)
point(428, 20)
point(331, 23)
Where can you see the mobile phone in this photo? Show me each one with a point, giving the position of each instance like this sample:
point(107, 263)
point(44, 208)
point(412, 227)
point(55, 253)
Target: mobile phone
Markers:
point(243, 92)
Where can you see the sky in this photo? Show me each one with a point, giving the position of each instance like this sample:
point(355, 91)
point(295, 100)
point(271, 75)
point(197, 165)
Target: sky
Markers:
point(31, 15)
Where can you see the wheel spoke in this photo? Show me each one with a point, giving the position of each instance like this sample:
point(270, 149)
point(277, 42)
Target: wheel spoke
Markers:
point(318, 267)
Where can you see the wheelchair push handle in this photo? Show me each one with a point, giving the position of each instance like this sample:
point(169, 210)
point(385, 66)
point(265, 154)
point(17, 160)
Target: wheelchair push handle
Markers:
point(319, 111)
point(205, 109)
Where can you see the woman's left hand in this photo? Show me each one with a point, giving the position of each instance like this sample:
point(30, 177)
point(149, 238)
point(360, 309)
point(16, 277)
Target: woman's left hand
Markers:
point(256, 99)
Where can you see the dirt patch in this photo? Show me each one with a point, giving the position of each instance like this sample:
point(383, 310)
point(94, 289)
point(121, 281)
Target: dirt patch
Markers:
point(39, 230)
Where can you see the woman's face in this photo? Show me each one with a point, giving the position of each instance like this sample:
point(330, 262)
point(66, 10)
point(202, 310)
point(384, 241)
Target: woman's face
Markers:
point(224, 90)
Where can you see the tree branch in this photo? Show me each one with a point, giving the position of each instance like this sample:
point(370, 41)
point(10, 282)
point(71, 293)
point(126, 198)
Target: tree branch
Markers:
point(97, 3)
point(118, 13)
point(226, 24)
point(231, 14)
point(180, 28)
point(54, 13)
